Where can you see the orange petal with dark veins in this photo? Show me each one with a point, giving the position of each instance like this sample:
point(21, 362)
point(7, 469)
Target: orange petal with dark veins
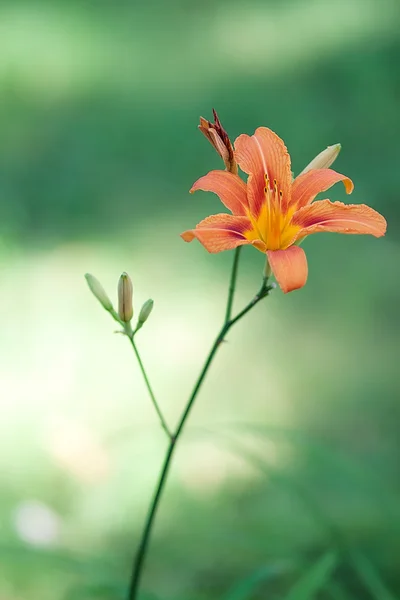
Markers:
point(220, 232)
point(264, 155)
point(305, 187)
point(230, 189)
point(337, 217)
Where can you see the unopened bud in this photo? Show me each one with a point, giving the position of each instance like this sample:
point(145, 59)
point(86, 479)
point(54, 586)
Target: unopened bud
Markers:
point(145, 311)
point(125, 295)
point(324, 159)
point(98, 291)
point(218, 137)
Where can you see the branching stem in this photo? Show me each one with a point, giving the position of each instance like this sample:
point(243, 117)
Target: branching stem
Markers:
point(229, 321)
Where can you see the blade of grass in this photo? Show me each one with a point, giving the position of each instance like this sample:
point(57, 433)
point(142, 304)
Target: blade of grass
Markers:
point(370, 577)
point(314, 579)
point(244, 588)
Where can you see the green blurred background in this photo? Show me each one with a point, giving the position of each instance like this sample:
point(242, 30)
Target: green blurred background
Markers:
point(292, 449)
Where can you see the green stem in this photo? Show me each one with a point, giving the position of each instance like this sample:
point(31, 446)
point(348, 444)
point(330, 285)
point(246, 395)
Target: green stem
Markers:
point(262, 293)
point(150, 389)
point(232, 284)
point(228, 323)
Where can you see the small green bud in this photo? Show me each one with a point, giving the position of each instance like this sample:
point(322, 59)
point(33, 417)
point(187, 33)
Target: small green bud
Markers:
point(98, 291)
point(125, 295)
point(145, 311)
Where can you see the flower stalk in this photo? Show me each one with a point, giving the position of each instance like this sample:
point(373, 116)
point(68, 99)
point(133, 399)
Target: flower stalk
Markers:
point(226, 326)
point(163, 422)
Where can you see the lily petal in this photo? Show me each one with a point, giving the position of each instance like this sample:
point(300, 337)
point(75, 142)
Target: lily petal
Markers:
point(305, 187)
point(289, 267)
point(230, 188)
point(260, 245)
point(220, 232)
point(263, 155)
point(325, 215)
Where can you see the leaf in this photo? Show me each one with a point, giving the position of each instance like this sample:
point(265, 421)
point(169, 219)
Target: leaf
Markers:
point(314, 579)
point(371, 578)
point(244, 588)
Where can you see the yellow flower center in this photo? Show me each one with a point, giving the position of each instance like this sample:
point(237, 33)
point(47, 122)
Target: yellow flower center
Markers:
point(273, 225)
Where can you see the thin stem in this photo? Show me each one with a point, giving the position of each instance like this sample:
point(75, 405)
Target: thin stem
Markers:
point(150, 389)
point(264, 290)
point(232, 284)
point(228, 323)
point(262, 293)
point(141, 551)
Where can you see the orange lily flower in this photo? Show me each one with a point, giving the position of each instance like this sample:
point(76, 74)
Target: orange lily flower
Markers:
point(274, 213)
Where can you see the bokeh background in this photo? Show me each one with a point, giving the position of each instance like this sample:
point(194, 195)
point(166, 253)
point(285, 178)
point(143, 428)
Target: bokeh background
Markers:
point(288, 471)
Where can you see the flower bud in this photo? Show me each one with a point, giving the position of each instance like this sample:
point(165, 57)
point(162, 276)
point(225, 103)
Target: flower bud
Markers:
point(324, 159)
point(218, 137)
point(98, 291)
point(145, 311)
point(125, 295)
